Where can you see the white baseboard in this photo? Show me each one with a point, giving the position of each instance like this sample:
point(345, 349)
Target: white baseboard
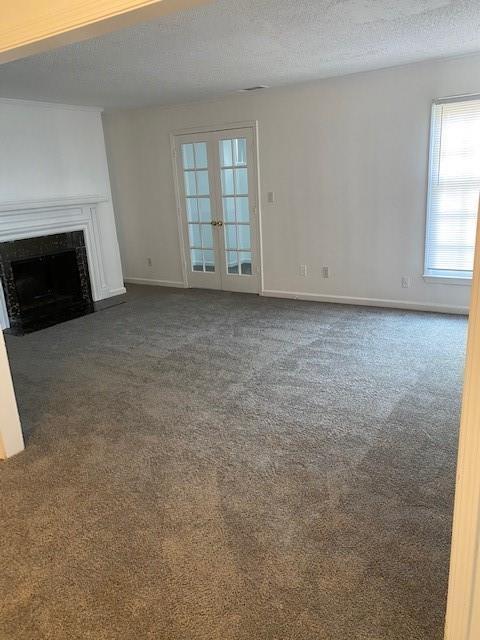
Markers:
point(369, 302)
point(155, 283)
point(116, 292)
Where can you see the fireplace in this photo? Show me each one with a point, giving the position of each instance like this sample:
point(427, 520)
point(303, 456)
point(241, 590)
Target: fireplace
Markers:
point(45, 280)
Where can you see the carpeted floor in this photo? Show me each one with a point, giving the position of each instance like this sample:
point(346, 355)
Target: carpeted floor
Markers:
point(214, 466)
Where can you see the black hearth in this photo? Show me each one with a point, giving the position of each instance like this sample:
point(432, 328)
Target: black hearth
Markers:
point(45, 280)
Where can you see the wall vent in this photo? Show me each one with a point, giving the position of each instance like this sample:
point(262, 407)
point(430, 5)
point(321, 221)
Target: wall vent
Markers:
point(256, 88)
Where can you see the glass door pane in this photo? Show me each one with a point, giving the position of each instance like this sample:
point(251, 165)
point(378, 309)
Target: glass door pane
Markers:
point(198, 206)
point(235, 206)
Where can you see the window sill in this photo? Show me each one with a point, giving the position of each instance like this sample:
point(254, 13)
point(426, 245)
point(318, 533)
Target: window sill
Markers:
point(466, 282)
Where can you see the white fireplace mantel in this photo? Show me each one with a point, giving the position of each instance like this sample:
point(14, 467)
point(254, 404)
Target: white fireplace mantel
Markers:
point(30, 219)
point(50, 203)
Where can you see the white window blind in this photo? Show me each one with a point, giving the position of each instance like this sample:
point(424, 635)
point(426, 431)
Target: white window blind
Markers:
point(454, 187)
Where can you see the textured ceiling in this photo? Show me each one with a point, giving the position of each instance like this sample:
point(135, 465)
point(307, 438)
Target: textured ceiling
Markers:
point(230, 44)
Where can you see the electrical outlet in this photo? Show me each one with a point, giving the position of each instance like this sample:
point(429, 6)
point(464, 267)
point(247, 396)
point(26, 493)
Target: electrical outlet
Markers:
point(303, 270)
point(270, 197)
point(405, 282)
point(149, 262)
point(325, 273)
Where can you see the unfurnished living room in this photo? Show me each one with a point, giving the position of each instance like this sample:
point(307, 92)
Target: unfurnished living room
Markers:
point(239, 390)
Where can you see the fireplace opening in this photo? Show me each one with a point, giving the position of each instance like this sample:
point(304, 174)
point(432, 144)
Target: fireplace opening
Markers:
point(45, 280)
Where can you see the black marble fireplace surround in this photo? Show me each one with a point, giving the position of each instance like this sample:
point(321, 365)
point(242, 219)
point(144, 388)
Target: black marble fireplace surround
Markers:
point(45, 280)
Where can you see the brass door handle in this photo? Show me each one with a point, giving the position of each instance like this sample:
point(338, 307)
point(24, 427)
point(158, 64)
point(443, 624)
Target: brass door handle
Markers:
point(217, 223)
point(220, 223)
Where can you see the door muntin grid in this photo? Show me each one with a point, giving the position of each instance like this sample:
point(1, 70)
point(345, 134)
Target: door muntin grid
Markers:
point(198, 206)
point(235, 205)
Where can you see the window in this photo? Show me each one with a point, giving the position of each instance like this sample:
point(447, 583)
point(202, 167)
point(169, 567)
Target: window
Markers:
point(454, 186)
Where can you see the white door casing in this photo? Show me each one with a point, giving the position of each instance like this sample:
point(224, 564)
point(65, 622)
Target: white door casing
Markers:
point(463, 604)
point(11, 437)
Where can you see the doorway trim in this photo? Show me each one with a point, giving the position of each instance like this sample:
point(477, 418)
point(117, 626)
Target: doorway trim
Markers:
point(11, 436)
point(463, 603)
point(247, 124)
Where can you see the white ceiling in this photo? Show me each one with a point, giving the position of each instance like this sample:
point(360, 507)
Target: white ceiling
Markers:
point(229, 44)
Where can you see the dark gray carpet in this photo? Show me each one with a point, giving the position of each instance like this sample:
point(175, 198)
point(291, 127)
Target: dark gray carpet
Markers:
point(204, 465)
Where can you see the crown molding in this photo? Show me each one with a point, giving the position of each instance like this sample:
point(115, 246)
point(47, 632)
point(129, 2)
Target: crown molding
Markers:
point(49, 105)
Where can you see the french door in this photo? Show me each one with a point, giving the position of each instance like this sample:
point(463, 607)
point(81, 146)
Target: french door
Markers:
point(217, 178)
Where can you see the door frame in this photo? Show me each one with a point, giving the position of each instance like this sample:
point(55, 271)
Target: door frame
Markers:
point(228, 126)
point(463, 602)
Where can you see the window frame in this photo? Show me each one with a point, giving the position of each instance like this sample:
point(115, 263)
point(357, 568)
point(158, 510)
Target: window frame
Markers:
point(437, 276)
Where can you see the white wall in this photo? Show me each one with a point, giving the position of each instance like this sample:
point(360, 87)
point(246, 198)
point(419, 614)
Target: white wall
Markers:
point(347, 159)
point(55, 153)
